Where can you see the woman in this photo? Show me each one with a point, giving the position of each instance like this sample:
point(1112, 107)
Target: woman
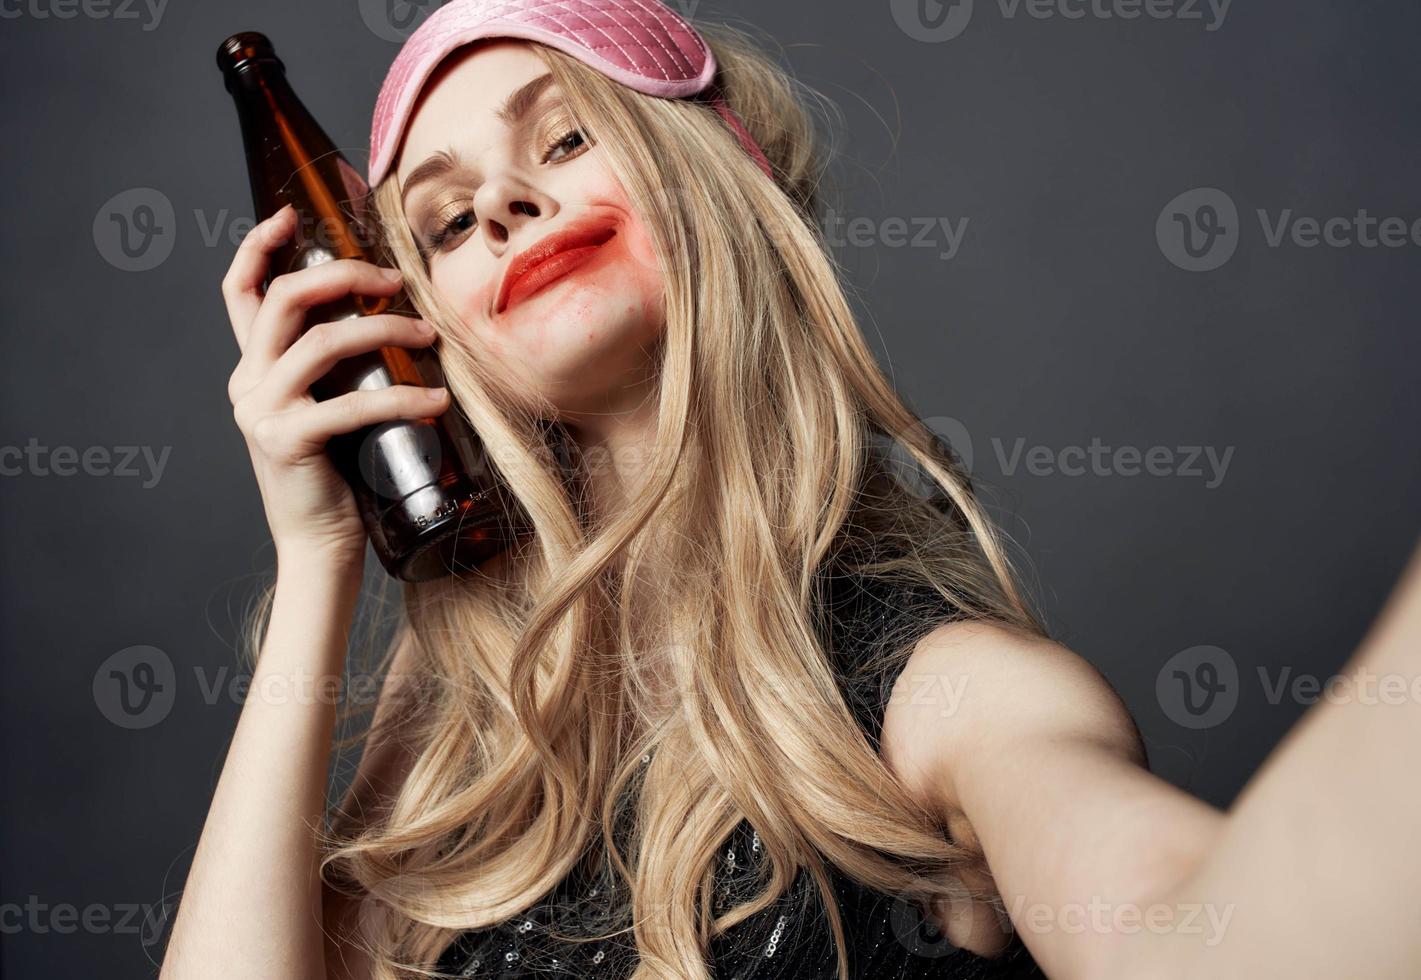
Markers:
point(657, 739)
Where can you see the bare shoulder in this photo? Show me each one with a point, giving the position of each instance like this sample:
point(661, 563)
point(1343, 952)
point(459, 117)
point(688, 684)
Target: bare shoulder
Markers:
point(980, 690)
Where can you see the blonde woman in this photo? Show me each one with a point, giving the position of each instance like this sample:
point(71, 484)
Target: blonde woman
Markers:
point(745, 705)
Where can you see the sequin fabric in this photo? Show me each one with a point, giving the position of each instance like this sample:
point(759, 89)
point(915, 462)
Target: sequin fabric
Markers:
point(790, 940)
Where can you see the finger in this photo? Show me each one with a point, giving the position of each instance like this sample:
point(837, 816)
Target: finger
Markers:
point(284, 310)
point(318, 350)
point(304, 431)
point(242, 285)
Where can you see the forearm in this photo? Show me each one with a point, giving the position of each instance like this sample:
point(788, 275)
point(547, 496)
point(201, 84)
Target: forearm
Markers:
point(251, 906)
point(1317, 866)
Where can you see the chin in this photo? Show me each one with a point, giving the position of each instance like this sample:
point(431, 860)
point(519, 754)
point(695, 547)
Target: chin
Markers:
point(593, 324)
point(585, 360)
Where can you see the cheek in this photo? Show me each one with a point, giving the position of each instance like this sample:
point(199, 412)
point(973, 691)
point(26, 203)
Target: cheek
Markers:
point(642, 270)
point(470, 292)
point(481, 299)
point(639, 246)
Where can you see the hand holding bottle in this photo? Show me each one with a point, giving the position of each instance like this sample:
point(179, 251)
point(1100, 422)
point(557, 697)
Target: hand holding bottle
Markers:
point(309, 506)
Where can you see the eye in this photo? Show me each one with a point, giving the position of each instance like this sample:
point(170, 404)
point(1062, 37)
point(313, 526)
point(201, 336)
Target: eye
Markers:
point(450, 224)
point(572, 140)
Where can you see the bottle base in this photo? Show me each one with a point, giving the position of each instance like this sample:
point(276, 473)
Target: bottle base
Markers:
point(465, 534)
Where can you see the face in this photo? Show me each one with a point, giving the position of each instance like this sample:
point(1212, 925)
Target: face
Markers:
point(528, 235)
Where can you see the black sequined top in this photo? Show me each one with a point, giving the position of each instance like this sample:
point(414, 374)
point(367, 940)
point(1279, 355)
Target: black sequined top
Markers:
point(791, 939)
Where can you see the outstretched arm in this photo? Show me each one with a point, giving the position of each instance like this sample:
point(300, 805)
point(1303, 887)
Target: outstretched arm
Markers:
point(1109, 871)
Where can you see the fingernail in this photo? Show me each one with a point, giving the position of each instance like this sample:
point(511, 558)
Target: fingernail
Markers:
point(435, 394)
point(394, 275)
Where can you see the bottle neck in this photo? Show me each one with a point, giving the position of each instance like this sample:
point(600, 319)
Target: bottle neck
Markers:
point(245, 72)
point(291, 160)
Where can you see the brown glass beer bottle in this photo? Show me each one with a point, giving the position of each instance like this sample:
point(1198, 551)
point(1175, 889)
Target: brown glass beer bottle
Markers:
point(428, 495)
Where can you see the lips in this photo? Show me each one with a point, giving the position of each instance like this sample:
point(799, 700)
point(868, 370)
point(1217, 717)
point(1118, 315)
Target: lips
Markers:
point(551, 258)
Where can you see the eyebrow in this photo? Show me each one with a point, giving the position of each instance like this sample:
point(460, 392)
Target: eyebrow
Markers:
point(514, 108)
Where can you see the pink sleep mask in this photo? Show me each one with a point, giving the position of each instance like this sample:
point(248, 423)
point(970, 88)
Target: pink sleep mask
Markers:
point(640, 43)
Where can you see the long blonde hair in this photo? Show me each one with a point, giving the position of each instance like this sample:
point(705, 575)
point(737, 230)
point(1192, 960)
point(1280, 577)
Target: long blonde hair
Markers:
point(532, 713)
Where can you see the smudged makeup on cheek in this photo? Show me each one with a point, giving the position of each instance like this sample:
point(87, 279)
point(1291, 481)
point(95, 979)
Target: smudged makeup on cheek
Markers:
point(645, 278)
point(630, 264)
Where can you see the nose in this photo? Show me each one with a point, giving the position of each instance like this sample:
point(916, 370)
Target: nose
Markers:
point(503, 204)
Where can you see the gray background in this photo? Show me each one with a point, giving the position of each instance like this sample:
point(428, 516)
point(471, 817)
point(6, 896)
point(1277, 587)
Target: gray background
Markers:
point(1059, 320)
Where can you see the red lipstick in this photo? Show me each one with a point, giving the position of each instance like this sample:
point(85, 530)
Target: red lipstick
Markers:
point(550, 258)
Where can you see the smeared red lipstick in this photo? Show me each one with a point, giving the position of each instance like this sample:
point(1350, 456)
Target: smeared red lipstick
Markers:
point(551, 258)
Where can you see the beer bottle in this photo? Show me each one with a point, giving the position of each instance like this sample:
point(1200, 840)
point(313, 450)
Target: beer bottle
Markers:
point(430, 500)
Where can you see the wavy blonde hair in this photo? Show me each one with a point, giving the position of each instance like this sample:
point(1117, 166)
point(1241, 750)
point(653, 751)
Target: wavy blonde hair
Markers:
point(533, 704)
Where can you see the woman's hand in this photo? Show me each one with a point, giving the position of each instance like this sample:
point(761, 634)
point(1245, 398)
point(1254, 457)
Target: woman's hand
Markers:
point(309, 506)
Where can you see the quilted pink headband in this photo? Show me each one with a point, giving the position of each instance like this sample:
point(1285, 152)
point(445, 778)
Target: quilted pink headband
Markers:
point(640, 43)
